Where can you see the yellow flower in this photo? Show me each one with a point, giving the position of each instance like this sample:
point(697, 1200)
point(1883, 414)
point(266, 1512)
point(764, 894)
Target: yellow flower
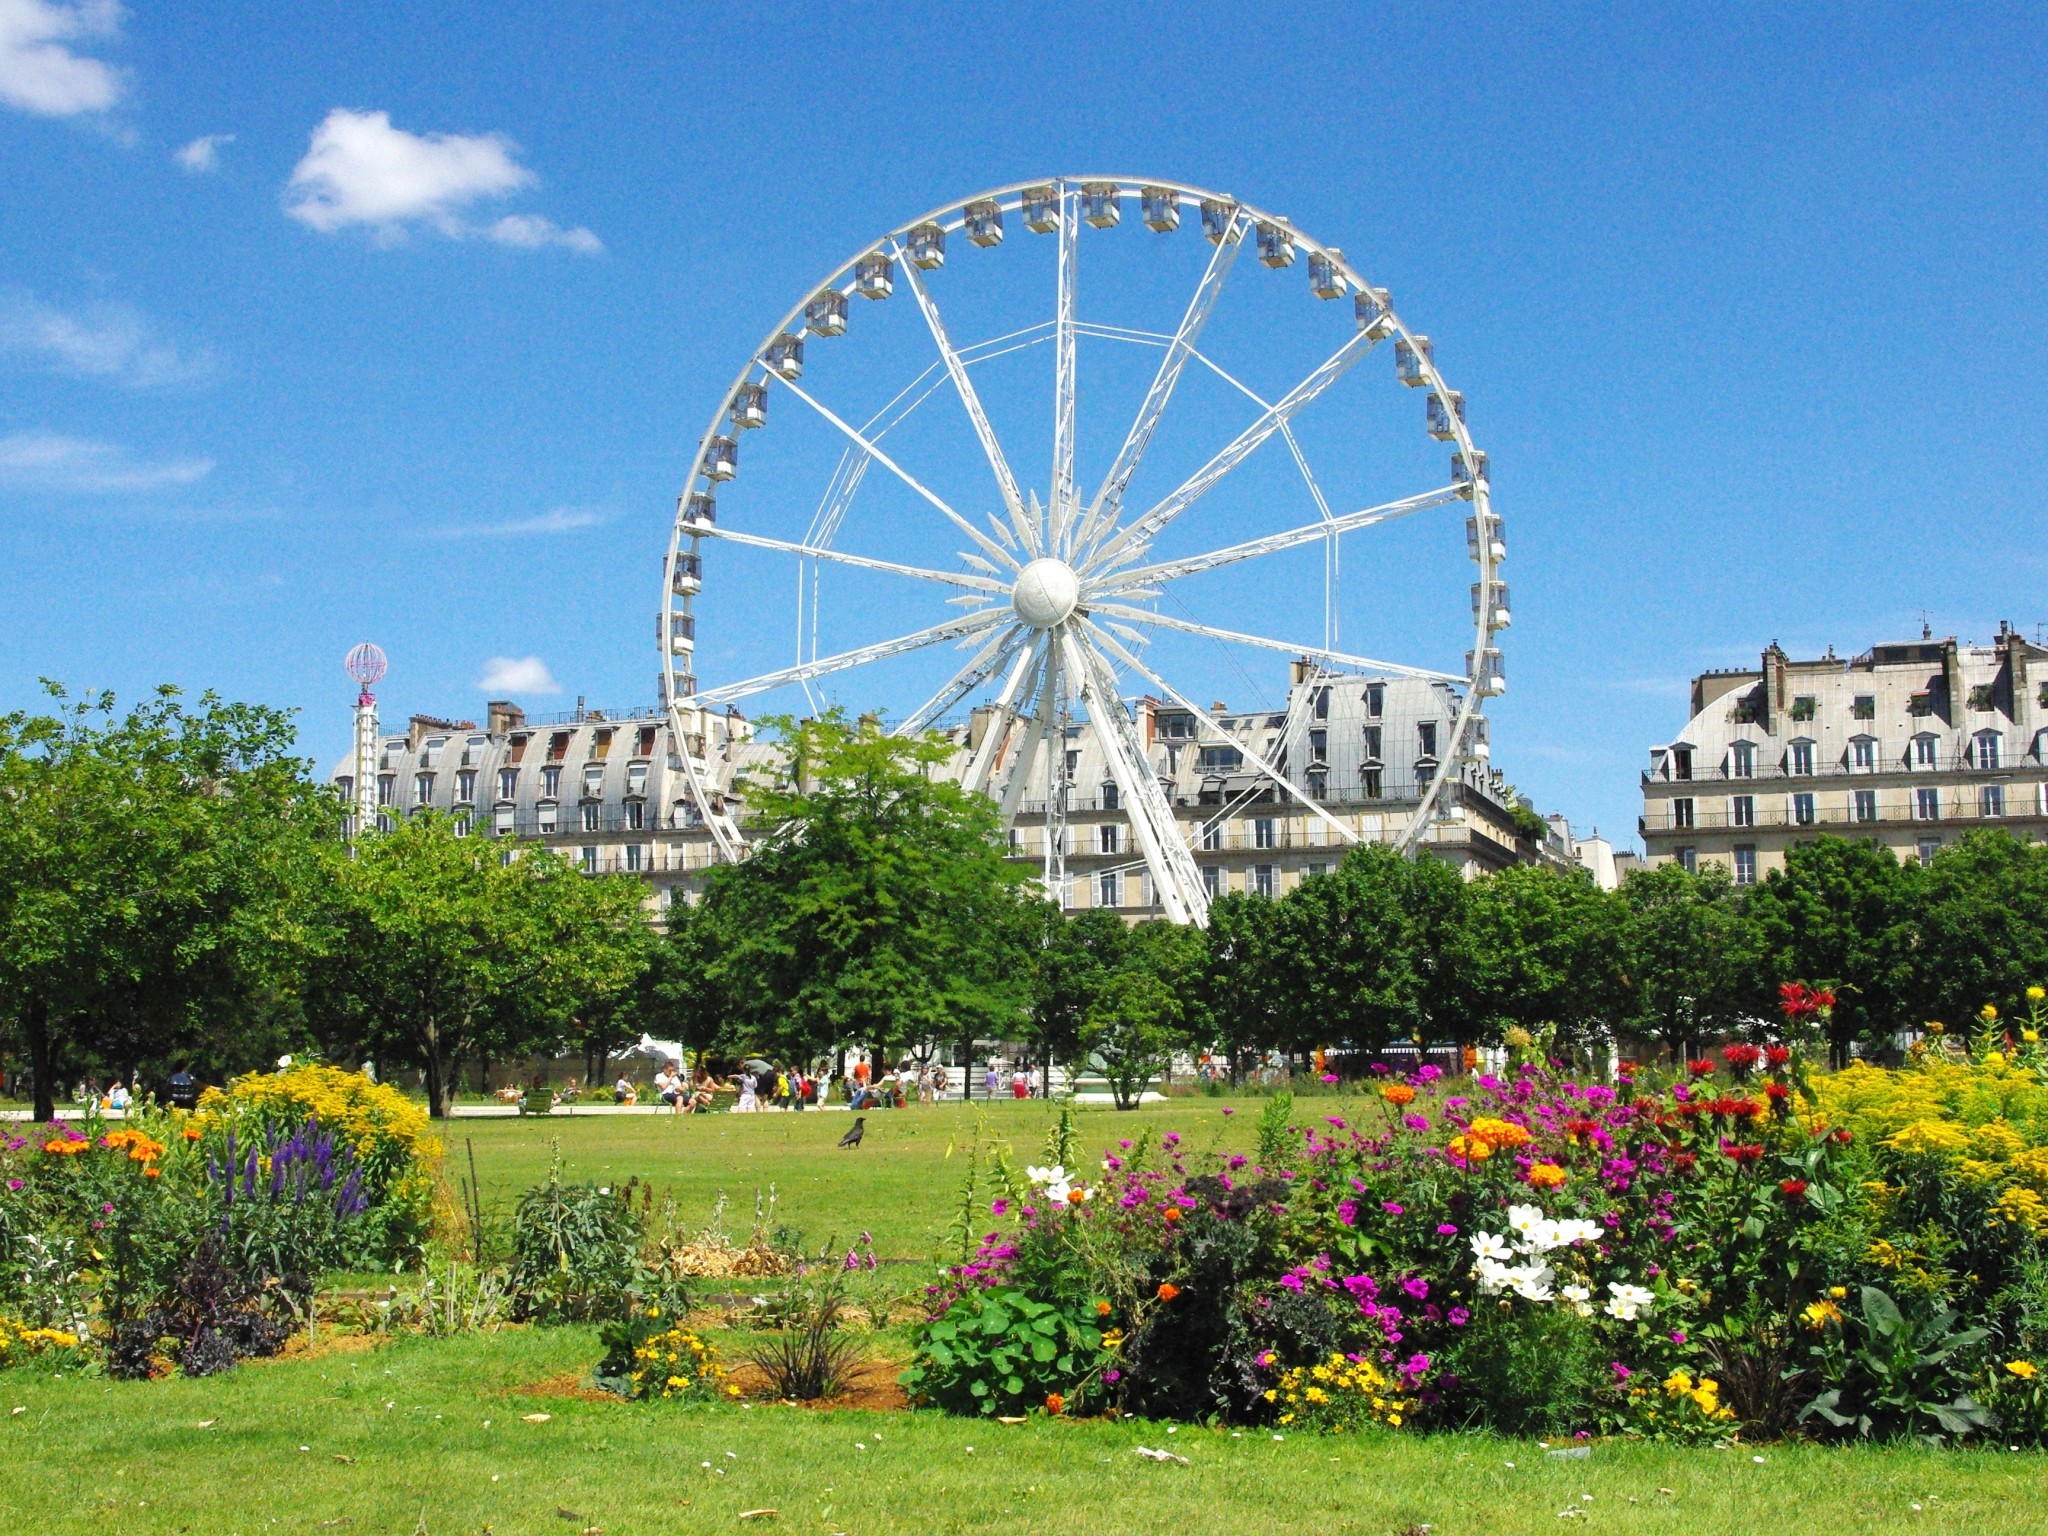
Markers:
point(2031, 1036)
point(1819, 1314)
point(1838, 1291)
point(2035, 994)
point(2024, 1369)
point(1988, 1013)
point(1546, 1175)
point(1678, 1383)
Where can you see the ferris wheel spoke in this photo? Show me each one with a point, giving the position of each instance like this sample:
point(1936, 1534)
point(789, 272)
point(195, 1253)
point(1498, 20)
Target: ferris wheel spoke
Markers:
point(1006, 482)
point(1102, 513)
point(824, 666)
point(1175, 877)
point(982, 540)
point(1269, 769)
point(965, 681)
point(1127, 544)
point(1232, 637)
point(1060, 512)
point(1021, 681)
point(840, 557)
point(1045, 685)
point(1252, 549)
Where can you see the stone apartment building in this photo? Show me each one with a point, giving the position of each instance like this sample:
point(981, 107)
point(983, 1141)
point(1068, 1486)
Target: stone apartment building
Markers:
point(1910, 744)
point(608, 789)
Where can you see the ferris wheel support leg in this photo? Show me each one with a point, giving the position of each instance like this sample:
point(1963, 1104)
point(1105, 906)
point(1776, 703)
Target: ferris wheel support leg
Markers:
point(1269, 769)
point(1175, 877)
point(968, 678)
point(983, 760)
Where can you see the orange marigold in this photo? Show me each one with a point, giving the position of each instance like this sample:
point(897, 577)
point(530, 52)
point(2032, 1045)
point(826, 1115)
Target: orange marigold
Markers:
point(1168, 1290)
point(1546, 1175)
point(1102, 1309)
point(1054, 1403)
point(1398, 1093)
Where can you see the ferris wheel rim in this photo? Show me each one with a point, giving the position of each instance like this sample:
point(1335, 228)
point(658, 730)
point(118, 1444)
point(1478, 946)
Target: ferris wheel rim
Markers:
point(952, 215)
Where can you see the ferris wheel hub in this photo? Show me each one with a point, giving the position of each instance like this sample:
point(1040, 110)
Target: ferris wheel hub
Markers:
point(1045, 593)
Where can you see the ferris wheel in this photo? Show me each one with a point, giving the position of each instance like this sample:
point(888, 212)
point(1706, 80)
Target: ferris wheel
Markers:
point(1056, 588)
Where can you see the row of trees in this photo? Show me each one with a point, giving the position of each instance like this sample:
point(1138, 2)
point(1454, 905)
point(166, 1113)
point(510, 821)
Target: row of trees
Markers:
point(174, 888)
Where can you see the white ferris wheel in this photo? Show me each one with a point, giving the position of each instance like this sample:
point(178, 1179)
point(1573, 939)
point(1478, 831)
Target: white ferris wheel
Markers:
point(968, 526)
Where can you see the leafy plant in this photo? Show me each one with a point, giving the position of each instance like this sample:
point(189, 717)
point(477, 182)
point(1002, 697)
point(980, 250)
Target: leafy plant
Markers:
point(575, 1251)
point(1276, 1135)
point(214, 1316)
point(1002, 1351)
point(1898, 1374)
point(809, 1354)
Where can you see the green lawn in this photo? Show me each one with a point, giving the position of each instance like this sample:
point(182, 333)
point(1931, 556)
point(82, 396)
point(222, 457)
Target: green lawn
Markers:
point(900, 1184)
point(430, 1436)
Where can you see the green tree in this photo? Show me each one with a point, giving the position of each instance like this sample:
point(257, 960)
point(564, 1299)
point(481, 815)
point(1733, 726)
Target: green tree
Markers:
point(435, 948)
point(1544, 947)
point(1981, 925)
point(149, 869)
point(1077, 954)
point(1133, 1024)
point(1689, 951)
point(1241, 1008)
point(1839, 914)
point(878, 909)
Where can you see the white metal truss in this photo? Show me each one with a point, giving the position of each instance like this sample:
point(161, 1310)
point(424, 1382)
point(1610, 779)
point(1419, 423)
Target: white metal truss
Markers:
point(1058, 593)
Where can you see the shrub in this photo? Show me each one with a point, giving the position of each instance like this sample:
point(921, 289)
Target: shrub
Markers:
point(575, 1252)
point(1002, 1351)
point(655, 1358)
point(213, 1316)
point(809, 1354)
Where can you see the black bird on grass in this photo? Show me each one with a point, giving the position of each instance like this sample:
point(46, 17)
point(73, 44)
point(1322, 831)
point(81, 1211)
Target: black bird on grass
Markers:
point(852, 1137)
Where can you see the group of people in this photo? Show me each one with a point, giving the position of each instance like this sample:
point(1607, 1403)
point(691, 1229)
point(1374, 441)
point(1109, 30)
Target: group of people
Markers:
point(757, 1086)
point(690, 1095)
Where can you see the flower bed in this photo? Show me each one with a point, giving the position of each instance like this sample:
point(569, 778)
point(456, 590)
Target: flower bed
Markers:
point(1741, 1249)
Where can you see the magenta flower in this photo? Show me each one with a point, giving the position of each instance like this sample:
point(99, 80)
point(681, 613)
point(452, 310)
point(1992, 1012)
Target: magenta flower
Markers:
point(998, 1206)
point(1445, 1229)
point(1678, 1335)
point(1416, 1286)
point(1392, 1209)
point(1347, 1213)
point(1229, 1111)
point(1330, 1077)
point(1459, 1317)
point(1621, 1372)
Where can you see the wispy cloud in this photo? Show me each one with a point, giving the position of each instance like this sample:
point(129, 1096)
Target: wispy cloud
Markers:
point(50, 461)
point(99, 341)
point(361, 172)
point(556, 520)
point(39, 70)
point(202, 155)
point(517, 674)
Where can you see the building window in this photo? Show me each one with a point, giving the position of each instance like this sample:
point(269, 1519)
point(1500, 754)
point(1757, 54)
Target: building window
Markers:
point(1262, 880)
point(1372, 743)
point(1681, 814)
point(544, 816)
point(593, 778)
point(1742, 811)
point(1106, 838)
point(387, 788)
point(636, 815)
point(589, 810)
point(1016, 841)
point(1375, 700)
point(508, 783)
point(636, 778)
point(1220, 759)
point(1864, 707)
point(1745, 864)
point(1926, 752)
point(1929, 847)
point(1866, 805)
point(1109, 794)
point(1689, 859)
point(465, 785)
point(1980, 697)
point(589, 861)
point(1425, 738)
point(1987, 749)
point(462, 825)
point(1318, 784)
point(1212, 880)
point(1212, 835)
point(1372, 783)
point(347, 785)
point(1743, 760)
point(1863, 753)
point(1804, 706)
point(1927, 804)
point(1681, 762)
point(1317, 869)
point(1073, 763)
point(1319, 746)
point(1802, 757)
point(422, 788)
point(1262, 833)
point(1802, 810)
point(1109, 889)
point(551, 781)
point(430, 752)
point(1424, 772)
point(501, 821)
point(634, 856)
point(1991, 800)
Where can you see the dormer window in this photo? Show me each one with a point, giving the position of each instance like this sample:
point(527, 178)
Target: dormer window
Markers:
point(1985, 747)
point(1801, 758)
point(1742, 760)
point(1681, 763)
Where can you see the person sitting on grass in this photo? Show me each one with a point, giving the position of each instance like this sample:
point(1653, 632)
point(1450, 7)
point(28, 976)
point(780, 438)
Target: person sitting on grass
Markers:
point(623, 1091)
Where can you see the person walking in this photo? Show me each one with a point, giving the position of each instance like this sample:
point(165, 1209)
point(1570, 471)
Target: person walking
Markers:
point(749, 1091)
point(989, 1079)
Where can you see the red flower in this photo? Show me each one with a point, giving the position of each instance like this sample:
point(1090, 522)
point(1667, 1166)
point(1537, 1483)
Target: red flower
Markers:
point(1730, 1106)
point(1740, 1154)
point(1777, 1055)
point(1700, 1068)
point(1794, 1190)
point(1743, 1058)
point(1777, 1092)
point(1168, 1291)
point(1841, 1137)
point(1684, 1162)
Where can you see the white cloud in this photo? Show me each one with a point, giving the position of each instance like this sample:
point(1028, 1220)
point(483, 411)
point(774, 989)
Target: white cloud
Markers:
point(202, 155)
point(517, 674)
point(359, 171)
point(39, 73)
point(556, 520)
point(50, 461)
point(531, 233)
point(100, 341)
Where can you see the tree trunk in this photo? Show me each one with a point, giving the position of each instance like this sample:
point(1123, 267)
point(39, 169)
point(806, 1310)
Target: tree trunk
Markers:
point(436, 1062)
point(35, 1019)
point(967, 1069)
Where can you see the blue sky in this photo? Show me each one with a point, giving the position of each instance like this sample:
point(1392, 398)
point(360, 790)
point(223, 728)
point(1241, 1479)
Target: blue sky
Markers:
point(328, 323)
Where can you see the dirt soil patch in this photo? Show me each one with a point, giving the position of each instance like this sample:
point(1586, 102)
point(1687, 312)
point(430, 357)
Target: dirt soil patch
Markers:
point(872, 1385)
point(569, 1385)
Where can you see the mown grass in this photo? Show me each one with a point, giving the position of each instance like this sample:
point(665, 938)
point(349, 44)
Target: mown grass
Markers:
point(901, 1184)
point(425, 1436)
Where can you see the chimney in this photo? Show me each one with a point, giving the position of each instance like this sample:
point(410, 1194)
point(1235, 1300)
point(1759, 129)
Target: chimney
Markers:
point(502, 717)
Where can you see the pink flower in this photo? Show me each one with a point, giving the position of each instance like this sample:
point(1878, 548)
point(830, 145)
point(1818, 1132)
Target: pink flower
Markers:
point(997, 1207)
point(1678, 1335)
point(1330, 1077)
point(1621, 1372)
point(1347, 1213)
point(14, 1183)
point(1392, 1209)
point(1291, 1281)
point(1445, 1229)
point(1228, 1111)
